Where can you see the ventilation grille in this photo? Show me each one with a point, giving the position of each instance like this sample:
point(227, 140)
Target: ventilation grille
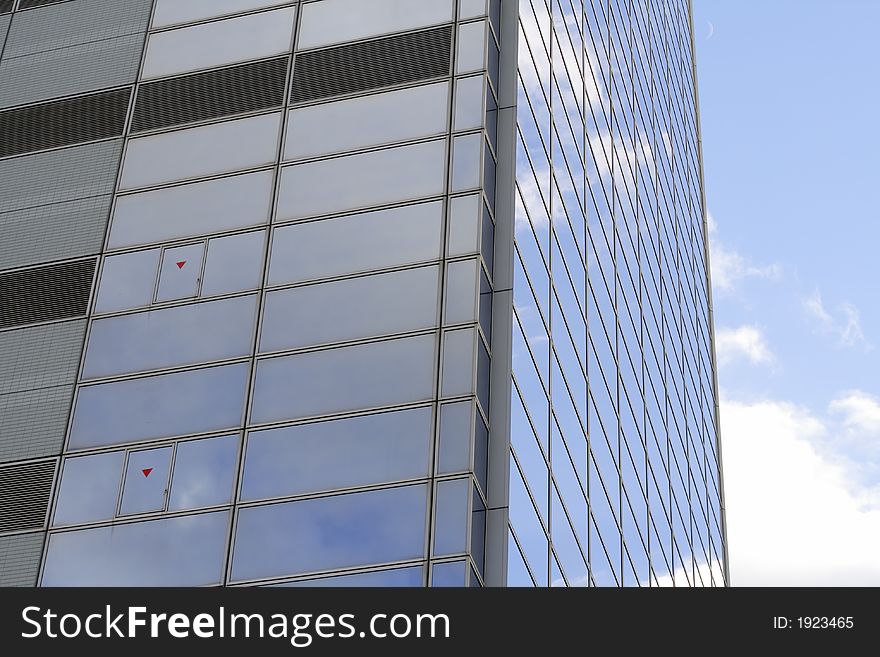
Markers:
point(33, 4)
point(24, 495)
point(6, 6)
point(372, 64)
point(63, 122)
point(45, 293)
point(211, 95)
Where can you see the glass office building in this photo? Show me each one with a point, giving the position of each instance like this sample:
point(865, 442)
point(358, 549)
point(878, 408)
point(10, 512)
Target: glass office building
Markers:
point(354, 293)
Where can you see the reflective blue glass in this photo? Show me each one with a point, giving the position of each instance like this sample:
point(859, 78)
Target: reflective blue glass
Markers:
point(156, 407)
point(358, 451)
point(341, 531)
point(183, 551)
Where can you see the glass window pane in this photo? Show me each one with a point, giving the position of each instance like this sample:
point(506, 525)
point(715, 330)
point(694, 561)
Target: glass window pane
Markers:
point(359, 451)
point(461, 292)
point(481, 451)
point(466, 159)
point(146, 481)
point(189, 210)
point(127, 281)
point(517, 572)
point(348, 245)
point(471, 47)
point(448, 574)
point(566, 546)
point(186, 551)
point(181, 272)
point(182, 335)
point(458, 363)
point(204, 471)
point(234, 263)
point(219, 42)
point(342, 531)
point(196, 401)
point(469, 112)
point(485, 302)
point(363, 180)
point(493, 62)
point(169, 12)
point(529, 530)
point(344, 379)
point(471, 9)
point(492, 119)
point(483, 373)
point(487, 243)
point(488, 174)
point(89, 488)
point(556, 577)
point(367, 121)
point(335, 21)
point(395, 577)
point(495, 15)
point(202, 151)
point(529, 454)
point(455, 437)
point(364, 307)
point(451, 516)
point(478, 530)
point(464, 235)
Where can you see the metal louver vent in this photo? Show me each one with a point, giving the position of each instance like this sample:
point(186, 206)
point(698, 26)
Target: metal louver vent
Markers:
point(63, 122)
point(210, 95)
point(24, 495)
point(45, 293)
point(372, 64)
point(33, 4)
point(6, 6)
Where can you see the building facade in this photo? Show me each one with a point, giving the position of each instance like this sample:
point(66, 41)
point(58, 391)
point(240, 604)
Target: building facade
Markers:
point(354, 292)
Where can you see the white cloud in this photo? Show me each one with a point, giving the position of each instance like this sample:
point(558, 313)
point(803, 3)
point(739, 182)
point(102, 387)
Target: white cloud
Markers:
point(667, 144)
point(851, 332)
point(530, 205)
point(846, 326)
point(744, 342)
point(855, 443)
point(713, 225)
point(793, 516)
point(816, 309)
point(534, 61)
point(860, 411)
point(730, 268)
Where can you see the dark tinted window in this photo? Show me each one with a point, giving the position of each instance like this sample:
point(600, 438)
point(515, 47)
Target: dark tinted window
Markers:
point(372, 64)
point(210, 95)
point(63, 122)
point(45, 293)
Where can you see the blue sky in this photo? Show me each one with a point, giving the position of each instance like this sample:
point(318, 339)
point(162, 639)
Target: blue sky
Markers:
point(789, 95)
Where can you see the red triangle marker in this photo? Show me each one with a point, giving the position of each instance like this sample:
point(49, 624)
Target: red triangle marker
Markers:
point(147, 471)
point(181, 264)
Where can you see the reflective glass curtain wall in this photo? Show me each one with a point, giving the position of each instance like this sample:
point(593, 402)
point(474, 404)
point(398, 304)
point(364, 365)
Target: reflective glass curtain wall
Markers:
point(285, 378)
point(354, 292)
point(614, 470)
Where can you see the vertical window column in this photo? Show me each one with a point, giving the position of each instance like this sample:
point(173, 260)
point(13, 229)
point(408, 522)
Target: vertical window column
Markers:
point(158, 414)
point(459, 525)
